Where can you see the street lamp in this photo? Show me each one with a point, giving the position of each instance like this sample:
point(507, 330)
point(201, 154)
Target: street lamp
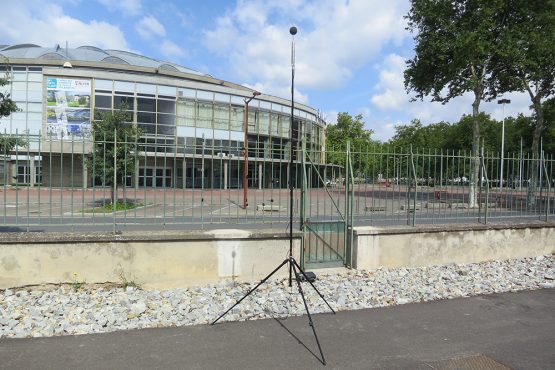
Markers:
point(246, 160)
point(503, 101)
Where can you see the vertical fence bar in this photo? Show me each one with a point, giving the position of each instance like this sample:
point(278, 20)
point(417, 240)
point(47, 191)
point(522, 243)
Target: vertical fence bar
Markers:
point(71, 187)
point(31, 180)
point(115, 184)
point(39, 138)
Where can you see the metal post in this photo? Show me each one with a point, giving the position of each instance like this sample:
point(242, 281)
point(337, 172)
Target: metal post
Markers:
point(293, 32)
point(246, 145)
point(502, 101)
point(521, 159)
point(115, 198)
point(246, 153)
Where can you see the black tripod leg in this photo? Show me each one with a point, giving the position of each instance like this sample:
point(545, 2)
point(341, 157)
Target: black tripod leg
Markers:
point(307, 311)
point(252, 290)
point(313, 287)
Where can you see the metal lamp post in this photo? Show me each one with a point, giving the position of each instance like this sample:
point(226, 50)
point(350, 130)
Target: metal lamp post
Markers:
point(502, 101)
point(246, 160)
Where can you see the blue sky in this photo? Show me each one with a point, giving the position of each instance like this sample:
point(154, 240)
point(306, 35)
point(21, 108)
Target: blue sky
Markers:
point(350, 55)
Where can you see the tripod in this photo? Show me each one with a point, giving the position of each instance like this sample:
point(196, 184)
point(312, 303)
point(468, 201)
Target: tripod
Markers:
point(293, 265)
point(298, 271)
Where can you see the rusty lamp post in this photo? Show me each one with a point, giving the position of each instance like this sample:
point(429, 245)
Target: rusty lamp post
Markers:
point(246, 144)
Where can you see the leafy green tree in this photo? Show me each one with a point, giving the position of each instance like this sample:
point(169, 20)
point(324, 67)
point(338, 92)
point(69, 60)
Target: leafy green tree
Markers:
point(549, 132)
point(7, 107)
point(433, 136)
point(455, 42)
point(348, 128)
point(113, 149)
point(526, 62)
point(526, 57)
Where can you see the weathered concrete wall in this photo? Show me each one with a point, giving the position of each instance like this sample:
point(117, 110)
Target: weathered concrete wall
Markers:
point(436, 245)
point(181, 259)
point(162, 260)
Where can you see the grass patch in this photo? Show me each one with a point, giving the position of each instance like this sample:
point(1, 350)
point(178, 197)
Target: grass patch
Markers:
point(119, 206)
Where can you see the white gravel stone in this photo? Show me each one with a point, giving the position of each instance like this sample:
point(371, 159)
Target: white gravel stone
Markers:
point(62, 310)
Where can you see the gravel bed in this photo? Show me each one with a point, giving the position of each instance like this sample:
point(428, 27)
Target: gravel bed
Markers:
point(65, 310)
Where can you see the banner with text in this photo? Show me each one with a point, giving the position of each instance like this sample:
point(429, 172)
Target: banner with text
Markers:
point(68, 111)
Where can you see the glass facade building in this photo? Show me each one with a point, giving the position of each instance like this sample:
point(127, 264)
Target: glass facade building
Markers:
point(183, 116)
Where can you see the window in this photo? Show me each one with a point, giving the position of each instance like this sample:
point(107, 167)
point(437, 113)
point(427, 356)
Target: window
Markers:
point(166, 106)
point(204, 115)
point(221, 117)
point(24, 173)
point(146, 105)
point(252, 121)
point(103, 85)
point(157, 177)
point(274, 124)
point(264, 123)
point(128, 101)
point(186, 113)
point(103, 101)
point(237, 117)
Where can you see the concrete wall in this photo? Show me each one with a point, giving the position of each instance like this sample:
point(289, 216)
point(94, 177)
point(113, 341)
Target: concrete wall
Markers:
point(154, 261)
point(181, 259)
point(436, 245)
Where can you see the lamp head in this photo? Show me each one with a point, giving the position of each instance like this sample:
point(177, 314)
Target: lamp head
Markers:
point(255, 93)
point(293, 30)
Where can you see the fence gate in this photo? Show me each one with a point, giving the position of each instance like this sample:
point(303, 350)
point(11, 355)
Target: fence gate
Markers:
point(326, 210)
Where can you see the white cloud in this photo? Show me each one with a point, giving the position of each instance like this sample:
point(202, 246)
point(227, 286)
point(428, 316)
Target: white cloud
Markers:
point(47, 25)
point(282, 91)
point(390, 83)
point(171, 50)
point(520, 103)
point(335, 39)
point(391, 97)
point(148, 27)
point(127, 7)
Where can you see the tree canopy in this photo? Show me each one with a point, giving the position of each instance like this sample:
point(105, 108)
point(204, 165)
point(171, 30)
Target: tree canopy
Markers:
point(113, 149)
point(7, 107)
point(348, 128)
point(455, 43)
point(525, 57)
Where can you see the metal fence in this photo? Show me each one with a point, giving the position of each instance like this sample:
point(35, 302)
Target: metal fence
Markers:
point(49, 185)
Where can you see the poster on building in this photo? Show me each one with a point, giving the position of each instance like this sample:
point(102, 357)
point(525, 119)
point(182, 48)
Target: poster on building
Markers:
point(68, 108)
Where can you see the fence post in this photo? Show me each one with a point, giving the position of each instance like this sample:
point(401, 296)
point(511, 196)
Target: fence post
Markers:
point(548, 181)
point(115, 189)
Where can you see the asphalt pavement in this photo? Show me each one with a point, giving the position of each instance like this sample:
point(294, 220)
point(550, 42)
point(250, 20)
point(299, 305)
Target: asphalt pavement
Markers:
point(499, 331)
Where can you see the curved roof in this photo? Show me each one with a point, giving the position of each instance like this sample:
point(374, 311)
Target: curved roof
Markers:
point(90, 54)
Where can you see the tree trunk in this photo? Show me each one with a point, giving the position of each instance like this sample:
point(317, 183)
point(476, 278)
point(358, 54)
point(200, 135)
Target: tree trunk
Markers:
point(475, 161)
point(533, 168)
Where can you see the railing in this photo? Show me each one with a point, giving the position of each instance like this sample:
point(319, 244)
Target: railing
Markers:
point(49, 185)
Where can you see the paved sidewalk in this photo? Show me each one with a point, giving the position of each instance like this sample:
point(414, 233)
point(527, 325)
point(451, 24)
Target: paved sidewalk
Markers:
point(515, 329)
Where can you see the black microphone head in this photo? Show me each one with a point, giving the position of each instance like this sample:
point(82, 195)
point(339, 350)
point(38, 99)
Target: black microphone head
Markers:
point(293, 30)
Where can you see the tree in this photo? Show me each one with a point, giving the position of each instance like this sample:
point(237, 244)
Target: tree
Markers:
point(526, 62)
point(114, 145)
point(549, 132)
point(455, 44)
point(7, 107)
point(433, 136)
point(350, 129)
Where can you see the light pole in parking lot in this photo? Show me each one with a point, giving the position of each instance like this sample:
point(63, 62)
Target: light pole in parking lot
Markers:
point(246, 144)
point(502, 101)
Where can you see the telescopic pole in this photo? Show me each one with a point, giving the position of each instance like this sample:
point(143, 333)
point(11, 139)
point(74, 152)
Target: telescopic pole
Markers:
point(293, 32)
